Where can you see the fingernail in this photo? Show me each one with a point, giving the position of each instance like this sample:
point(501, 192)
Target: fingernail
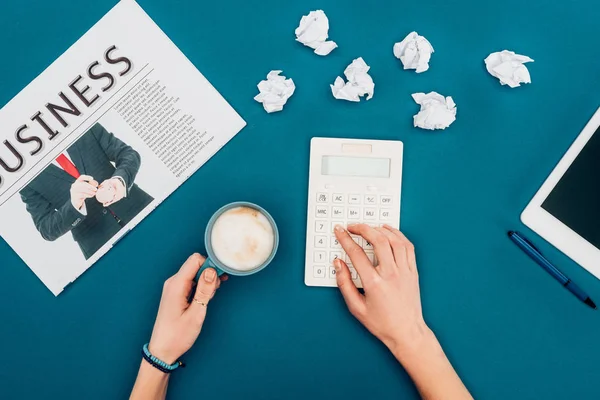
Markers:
point(210, 275)
point(339, 228)
point(337, 264)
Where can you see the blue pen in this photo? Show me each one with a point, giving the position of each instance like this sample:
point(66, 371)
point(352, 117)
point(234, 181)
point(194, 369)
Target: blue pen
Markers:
point(535, 254)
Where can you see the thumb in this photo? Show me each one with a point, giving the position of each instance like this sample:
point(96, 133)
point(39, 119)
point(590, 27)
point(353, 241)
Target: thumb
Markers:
point(354, 300)
point(207, 285)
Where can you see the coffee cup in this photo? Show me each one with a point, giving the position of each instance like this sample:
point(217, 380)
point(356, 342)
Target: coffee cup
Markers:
point(241, 239)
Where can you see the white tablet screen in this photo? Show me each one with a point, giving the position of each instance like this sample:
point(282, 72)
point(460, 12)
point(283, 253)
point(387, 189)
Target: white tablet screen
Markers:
point(575, 200)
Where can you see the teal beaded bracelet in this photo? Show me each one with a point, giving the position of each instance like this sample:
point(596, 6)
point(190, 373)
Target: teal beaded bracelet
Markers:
point(159, 364)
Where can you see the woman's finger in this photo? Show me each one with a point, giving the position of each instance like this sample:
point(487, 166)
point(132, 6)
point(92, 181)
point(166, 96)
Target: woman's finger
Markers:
point(354, 300)
point(207, 285)
point(190, 268)
point(398, 249)
point(359, 259)
point(410, 248)
point(380, 243)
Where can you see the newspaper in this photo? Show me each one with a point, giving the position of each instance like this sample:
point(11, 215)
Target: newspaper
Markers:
point(99, 140)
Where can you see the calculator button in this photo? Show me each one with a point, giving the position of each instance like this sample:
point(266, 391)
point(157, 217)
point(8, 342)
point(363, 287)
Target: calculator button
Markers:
point(369, 213)
point(319, 256)
point(353, 274)
point(319, 271)
point(335, 223)
point(385, 199)
point(322, 211)
point(347, 259)
point(338, 198)
point(337, 212)
point(322, 197)
point(335, 244)
point(385, 214)
point(334, 255)
point(332, 272)
point(353, 213)
point(321, 226)
point(354, 199)
point(370, 199)
point(367, 245)
point(370, 256)
point(320, 241)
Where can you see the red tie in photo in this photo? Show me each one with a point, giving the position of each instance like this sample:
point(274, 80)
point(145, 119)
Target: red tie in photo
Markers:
point(68, 166)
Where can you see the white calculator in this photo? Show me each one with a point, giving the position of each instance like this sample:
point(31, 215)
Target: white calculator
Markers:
point(351, 181)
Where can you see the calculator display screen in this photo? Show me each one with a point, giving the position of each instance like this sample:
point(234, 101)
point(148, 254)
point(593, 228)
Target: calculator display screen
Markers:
point(356, 166)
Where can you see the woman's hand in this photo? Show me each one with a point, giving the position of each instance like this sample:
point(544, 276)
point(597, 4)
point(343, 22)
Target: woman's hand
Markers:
point(391, 307)
point(178, 322)
point(177, 325)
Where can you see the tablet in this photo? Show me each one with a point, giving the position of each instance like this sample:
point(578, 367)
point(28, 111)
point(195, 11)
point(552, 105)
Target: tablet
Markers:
point(566, 209)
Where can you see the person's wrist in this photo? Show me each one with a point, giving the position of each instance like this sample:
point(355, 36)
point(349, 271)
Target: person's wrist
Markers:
point(77, 204)
point(120, 180)
point(120, 186)
point(162, 353)
point(151, 369)
point(411, 342)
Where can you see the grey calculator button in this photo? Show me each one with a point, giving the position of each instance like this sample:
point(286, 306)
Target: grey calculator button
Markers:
point(321, 226)
point(370, 213)
point(319, 271)
point(320, 256)
point(338, 198)
point(371, 199)
point(321, 241)
point(335, 244)
point(385, 214)
point(332, 272)
point(385, 199)
point(334, 255)
point(322, 211)
point(337, 212)
point(322, 197)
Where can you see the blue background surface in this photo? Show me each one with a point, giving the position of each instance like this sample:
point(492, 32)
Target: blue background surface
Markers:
point(510, 329)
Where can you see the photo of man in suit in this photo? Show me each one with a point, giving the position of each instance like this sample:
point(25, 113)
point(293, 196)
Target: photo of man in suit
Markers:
point(88, 190)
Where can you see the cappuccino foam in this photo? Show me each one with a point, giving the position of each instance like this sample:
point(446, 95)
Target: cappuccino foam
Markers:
point(242, 238)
